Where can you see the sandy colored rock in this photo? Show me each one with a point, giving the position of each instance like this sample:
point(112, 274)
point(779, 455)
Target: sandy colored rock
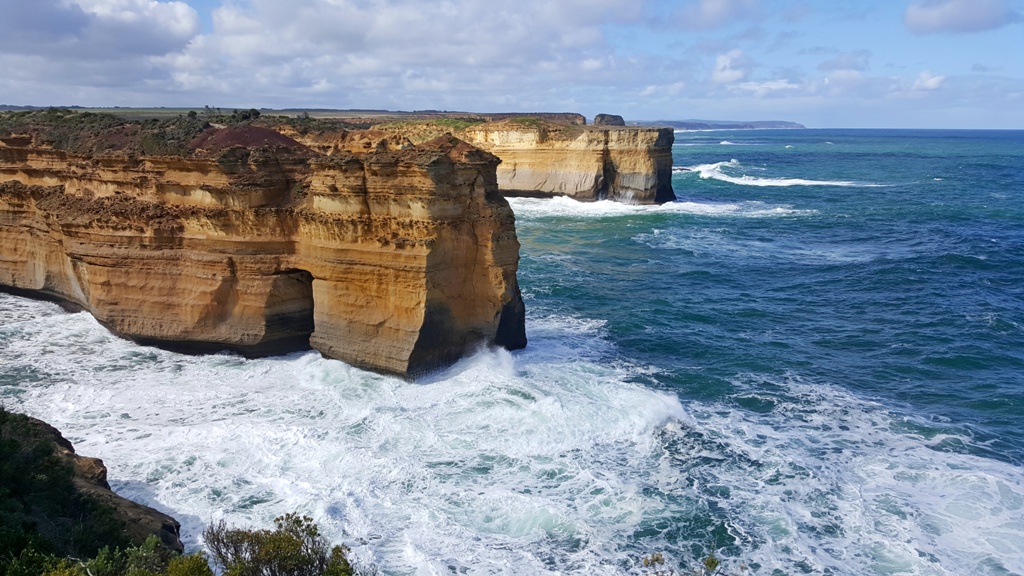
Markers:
point(609, 120)
point(625, 164)
point(396, 260)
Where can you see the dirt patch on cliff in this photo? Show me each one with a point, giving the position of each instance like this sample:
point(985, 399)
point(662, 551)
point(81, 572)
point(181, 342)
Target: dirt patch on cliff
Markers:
point(215, 140)
point(447, 146)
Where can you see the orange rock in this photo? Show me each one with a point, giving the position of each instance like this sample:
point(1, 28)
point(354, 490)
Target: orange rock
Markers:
point(625, 164)
point(396, 260)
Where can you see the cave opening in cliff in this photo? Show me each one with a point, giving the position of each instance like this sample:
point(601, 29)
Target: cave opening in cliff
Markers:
point(290, 311)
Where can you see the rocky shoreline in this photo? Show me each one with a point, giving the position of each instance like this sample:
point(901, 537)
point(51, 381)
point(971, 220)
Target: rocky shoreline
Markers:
point(390, 248)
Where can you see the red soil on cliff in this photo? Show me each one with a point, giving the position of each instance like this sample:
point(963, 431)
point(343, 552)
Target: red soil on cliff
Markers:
point(214, 140)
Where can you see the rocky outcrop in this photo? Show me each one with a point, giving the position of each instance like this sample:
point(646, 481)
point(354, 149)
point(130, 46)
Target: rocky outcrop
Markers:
point(625, 164)
point(89, 477)
point(396, 260)
point(539, 156)
point(609, 120)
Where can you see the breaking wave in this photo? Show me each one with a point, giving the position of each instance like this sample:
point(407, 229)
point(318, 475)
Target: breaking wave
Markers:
point(721, 171)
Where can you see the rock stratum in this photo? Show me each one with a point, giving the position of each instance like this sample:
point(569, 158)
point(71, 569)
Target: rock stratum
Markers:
point(625, 164)
point(540, 158)
point(391, 257)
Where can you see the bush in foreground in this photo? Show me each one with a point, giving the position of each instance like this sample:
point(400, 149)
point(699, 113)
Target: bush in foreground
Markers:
point(294, 548)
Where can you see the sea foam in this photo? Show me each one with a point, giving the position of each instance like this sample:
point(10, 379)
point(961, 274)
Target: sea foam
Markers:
point(719, 171)
point(567, 207)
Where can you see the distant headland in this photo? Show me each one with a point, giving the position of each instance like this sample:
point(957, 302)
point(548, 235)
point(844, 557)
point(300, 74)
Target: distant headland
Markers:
point(722, 124)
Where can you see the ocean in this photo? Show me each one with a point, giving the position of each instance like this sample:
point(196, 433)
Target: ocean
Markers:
point(812, 363)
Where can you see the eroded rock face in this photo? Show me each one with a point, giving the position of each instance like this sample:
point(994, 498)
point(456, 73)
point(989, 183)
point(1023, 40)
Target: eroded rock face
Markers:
point(625, 164)
point(396, 260)
point(90, 478)
point(609, 120)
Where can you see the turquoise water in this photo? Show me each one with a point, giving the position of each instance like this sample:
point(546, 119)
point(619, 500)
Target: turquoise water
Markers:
point(812, 363)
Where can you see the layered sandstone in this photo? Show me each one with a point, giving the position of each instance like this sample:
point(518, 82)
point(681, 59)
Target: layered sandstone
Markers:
point(540, 156)
point(625, 164)
point(395, 258)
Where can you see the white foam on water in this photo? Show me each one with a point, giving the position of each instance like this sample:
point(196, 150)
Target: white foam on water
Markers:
point(552, 460)
point(505, 464)
point(724, 241)
point(719, 171)
point(821, 481)
point(527, 208)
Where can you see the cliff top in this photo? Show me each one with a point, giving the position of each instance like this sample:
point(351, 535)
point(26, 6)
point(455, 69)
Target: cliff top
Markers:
point(214, 140)
point(91, 134)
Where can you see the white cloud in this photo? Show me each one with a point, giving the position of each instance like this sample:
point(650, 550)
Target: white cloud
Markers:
point(933, 16)
point(96, 29)
point(762, 89)
point(730, 67)
point(406, 53)
point(674, 89)
point(708, 14)
point(927, 82)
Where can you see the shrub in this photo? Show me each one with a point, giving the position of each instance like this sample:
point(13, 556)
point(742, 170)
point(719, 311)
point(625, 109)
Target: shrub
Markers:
point(41, 511)
point(193, 565)
point(294, 548)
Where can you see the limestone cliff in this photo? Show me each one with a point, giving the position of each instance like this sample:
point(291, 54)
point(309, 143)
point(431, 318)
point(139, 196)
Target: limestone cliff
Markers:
point(625, 164)
point(539, 156)
point(396, 260)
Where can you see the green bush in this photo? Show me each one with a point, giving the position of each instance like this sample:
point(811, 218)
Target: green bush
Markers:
point(192, 565)
point(294, 548)
point(41, 511)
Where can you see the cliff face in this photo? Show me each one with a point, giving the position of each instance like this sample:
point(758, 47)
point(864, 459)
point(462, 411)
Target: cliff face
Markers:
point(89, 477)
point(538, 157)
point(393, 260)
point(625, 164)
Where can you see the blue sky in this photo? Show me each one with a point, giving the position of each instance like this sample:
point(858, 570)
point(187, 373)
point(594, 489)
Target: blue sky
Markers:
point(841, 63)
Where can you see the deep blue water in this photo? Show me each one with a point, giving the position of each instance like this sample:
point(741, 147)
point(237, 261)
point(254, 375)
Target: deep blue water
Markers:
point(812, 363)
point(903, 282)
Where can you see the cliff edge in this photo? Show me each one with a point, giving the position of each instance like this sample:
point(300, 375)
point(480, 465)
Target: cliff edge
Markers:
point(624, 164)
point(61, 501)
point(542, 158)
point(395, 258)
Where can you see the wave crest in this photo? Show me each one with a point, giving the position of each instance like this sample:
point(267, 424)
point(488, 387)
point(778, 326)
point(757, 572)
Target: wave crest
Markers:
point(717, 171)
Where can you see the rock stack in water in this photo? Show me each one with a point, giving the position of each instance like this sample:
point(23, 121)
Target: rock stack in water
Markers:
point(391, 257)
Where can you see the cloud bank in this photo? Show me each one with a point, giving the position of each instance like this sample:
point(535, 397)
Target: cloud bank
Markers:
point(642, 58)
point(959, 16)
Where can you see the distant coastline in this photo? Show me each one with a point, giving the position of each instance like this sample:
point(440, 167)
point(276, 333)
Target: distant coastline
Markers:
point(722, 124)
point(374, 116)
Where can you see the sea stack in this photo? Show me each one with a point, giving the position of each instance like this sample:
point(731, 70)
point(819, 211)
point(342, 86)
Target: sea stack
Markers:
point(395, 258)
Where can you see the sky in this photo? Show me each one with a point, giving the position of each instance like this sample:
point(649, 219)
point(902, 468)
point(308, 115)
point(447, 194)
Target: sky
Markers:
point(834, 63)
